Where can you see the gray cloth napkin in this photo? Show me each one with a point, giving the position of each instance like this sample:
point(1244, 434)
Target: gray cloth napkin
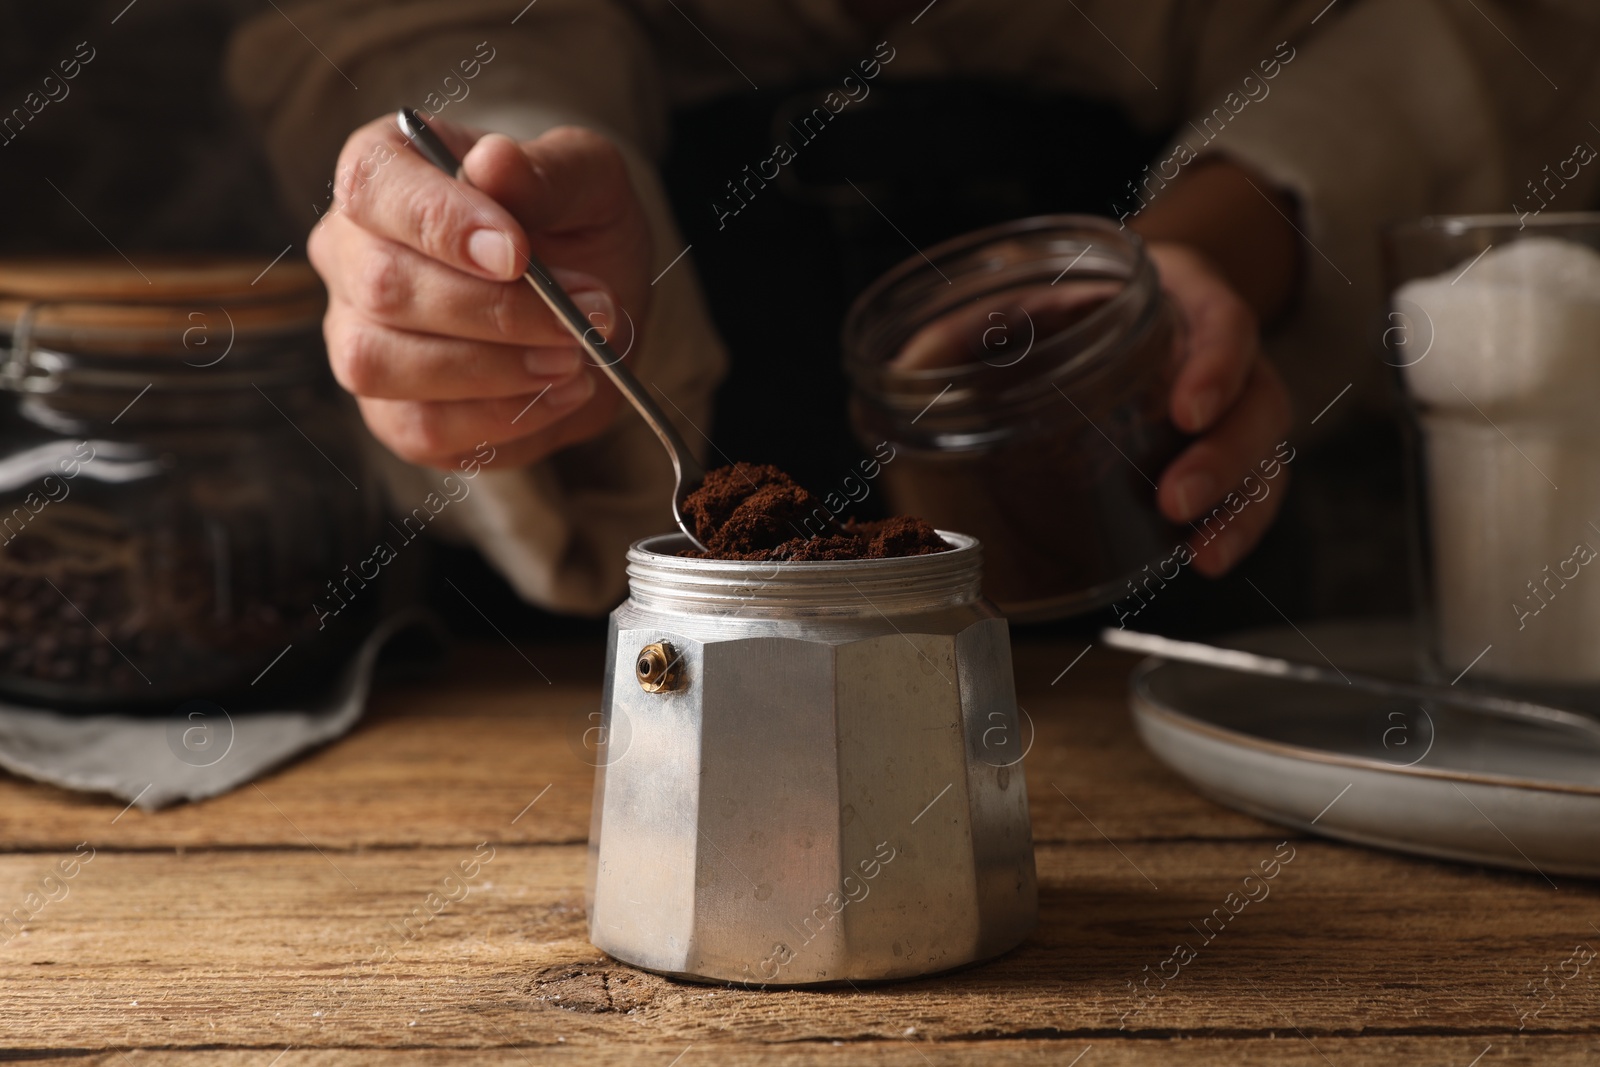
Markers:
point(200, 751)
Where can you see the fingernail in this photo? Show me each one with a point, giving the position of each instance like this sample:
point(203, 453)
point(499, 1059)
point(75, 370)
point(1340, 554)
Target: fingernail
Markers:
point(1203, 408)
point(494, 252)
point(1194, 491)
point(1216, 558)
point(597, 308)
point(570, 394)
point(552, 362)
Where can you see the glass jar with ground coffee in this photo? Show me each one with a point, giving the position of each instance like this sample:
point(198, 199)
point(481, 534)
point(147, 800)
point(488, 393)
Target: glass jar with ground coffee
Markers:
point(1020, 376)
point(178, 485)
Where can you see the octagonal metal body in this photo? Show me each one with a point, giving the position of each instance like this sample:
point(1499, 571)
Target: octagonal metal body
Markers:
point(836, 789)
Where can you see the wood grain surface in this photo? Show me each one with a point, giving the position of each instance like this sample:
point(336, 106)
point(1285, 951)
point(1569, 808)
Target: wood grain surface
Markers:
point(271, 925)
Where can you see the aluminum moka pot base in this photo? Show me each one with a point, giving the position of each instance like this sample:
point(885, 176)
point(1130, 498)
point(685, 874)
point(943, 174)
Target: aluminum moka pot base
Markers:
point(810, 772)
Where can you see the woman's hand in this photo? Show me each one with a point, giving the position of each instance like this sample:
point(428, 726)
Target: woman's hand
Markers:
point(429, 324)
point(1228, 393)
point(1228, 253)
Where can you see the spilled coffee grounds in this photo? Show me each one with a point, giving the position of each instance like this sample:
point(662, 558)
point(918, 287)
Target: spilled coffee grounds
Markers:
point(754, 512)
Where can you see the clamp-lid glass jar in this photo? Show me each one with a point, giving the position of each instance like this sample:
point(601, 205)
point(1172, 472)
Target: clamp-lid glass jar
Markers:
point(1022, 374)
point(177, 485)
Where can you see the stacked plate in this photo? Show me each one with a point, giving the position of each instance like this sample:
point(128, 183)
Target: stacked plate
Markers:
point(1431, 779)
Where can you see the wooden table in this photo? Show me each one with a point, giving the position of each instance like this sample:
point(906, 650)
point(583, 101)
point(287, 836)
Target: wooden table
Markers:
point(276, 918)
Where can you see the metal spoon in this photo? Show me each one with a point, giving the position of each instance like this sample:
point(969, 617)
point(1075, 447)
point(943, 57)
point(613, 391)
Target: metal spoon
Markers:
point(685, 468)
point(1231, 659)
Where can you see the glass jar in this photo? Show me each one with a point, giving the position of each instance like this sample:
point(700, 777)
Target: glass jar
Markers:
point(811, 771)
point(1021, 376)
point(1493, 327)
point(178, 487)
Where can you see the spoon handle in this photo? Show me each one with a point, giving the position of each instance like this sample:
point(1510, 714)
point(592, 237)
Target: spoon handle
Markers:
point(685, 466)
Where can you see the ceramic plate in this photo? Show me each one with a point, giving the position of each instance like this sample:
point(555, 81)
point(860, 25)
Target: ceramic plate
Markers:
point(1438, 780)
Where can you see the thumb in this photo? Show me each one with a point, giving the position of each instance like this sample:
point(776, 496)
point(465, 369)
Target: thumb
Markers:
point(568, 179)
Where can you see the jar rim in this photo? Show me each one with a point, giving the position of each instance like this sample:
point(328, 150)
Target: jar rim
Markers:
point(961, 244)
point(661, 579)
point(919, 292)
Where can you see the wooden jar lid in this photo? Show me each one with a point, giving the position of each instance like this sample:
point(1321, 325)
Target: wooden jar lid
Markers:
point(104, 304)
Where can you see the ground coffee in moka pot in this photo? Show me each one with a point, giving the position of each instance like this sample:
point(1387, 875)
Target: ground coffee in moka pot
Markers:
point(752, 512)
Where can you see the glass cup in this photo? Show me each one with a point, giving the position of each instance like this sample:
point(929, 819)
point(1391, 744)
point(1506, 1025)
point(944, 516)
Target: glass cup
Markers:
point(1494, 329)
